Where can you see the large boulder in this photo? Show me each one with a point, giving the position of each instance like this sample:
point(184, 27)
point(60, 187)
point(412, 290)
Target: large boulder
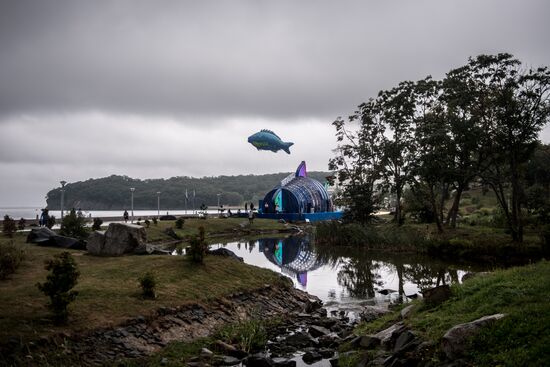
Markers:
point(44, 236)
point(454, 341)
point(118, 239)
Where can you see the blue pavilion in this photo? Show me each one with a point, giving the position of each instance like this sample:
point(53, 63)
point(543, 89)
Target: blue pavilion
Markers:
point(298, 198)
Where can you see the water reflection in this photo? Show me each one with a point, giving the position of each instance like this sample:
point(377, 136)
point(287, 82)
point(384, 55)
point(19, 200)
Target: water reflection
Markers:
point(348, 274)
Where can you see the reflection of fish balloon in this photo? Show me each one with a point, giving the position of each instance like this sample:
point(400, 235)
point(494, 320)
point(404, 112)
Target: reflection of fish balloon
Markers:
point(268, 140)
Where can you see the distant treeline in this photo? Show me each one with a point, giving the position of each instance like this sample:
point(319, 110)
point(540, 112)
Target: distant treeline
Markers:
point(113, 192)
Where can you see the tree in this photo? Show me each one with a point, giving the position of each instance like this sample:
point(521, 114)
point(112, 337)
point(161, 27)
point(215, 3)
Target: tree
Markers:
point(357, 163)
point(198, 246)
point(517, 107)
point(72, 225)
point(398, 108)
point(432, 170)
point(62, 278)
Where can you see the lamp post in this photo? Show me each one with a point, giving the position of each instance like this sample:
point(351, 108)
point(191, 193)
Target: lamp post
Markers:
point(218, 195)
point(132, 189)
point(62, 195)
point(158, 204)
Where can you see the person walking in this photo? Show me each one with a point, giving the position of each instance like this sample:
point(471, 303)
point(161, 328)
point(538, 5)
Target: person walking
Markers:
point(125, 216)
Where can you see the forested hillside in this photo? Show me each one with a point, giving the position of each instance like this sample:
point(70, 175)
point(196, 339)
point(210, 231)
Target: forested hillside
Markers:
point(113, 192)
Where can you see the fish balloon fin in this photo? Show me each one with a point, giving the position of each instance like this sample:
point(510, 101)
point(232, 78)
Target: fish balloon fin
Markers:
point(287, 145)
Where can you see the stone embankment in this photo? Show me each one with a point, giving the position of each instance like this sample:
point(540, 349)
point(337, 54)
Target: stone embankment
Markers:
point(142, 336)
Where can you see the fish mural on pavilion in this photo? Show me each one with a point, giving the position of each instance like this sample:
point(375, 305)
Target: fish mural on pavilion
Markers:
point(268, 140)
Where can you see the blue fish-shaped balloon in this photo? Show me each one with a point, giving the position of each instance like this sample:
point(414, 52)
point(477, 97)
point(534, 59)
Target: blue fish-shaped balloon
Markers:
point(268, 140)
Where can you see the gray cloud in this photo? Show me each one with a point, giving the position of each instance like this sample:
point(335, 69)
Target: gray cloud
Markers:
point(160, 89)
point(254, 58)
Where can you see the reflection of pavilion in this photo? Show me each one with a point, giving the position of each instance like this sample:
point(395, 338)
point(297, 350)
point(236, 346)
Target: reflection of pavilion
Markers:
point(292, 254)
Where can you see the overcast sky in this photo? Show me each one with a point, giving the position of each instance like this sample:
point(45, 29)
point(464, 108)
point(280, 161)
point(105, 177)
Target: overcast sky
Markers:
point(154, 89)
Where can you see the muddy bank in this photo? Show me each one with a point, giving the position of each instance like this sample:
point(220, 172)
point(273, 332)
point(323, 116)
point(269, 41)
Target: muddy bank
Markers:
point(142, 336)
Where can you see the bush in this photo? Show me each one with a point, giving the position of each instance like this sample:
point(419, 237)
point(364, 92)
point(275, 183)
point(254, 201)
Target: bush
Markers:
point(147, 223)
point(21, 224)
point(198, 246)
point(96, 226)
point(155, 221)
point(61, 279)
point(8, 226)
point(248, 336)
point(148, 283)
point(51, 221)
point(10, 258)
point(73, 226)
point(179, 223)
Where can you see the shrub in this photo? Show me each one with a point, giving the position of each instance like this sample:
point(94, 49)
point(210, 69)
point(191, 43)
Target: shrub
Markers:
point(72, 225)
point(96, 226)
point(8, 226)
point(248, 336)
point(155, 221)
point(10, 258)
point(198, 246)
point(148, 283)
point(21, 224)
point(59, 282)
point(51, 221)
point(147, 223)
point(180, 222)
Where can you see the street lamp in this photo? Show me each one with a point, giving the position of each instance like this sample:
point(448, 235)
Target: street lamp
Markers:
point(218, 195)
point(158, 204)
point(132, 189)
point(62, 195)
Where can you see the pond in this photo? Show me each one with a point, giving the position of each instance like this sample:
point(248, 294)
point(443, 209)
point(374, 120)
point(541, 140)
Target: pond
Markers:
point(347, 278)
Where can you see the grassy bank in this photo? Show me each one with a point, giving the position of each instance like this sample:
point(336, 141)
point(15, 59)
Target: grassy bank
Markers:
point(520, 339)
point(473, 243)
point(108, 288)
point(214, 228)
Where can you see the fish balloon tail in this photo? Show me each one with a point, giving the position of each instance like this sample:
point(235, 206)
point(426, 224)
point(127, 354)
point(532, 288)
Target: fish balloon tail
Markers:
point(287, 146)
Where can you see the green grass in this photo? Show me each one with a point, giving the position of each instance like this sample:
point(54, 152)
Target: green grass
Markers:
point(109, 289)
point(214, 227)
point(522, 338)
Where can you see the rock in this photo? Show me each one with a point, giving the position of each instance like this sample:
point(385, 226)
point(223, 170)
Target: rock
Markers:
point(331, 340)
point(437, 295)
point(119, 239)
point(454, 341)
point(333, 362)
point(406, 337)
point(284, 362)
point(317, 331)
point(225, 361)
point(230, 350)
point(300, 339)
point(206, 353)
point(95, 242)
point(259, 360)
point(326, 352)
point(369, 341)
point(371, 313)
point(164, 361)
point(326, 322)
point(44, 236)
point(225, 252)
point(385, 292)
point(388, 336)
point(311, 357)
point(405, 312)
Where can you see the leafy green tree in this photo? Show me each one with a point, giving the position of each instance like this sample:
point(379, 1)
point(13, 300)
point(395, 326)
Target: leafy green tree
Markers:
point(72, 225)
point(357, 162)
point(517, 107)
point(399, 147)
point(62, 277)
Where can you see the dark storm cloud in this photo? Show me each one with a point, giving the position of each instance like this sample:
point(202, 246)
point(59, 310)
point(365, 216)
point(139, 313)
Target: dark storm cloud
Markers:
point(256, 58)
